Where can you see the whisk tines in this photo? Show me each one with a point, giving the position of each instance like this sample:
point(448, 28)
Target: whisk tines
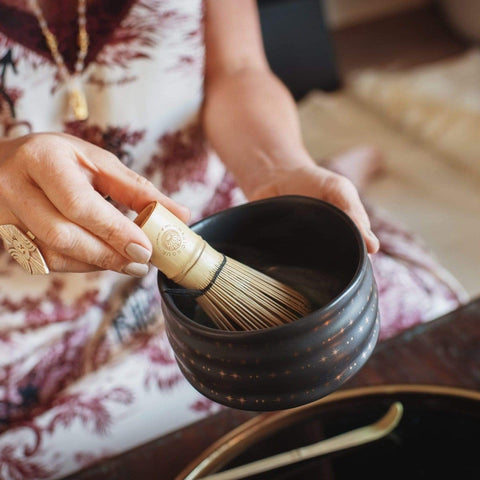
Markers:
point(243, 298)
point(233, 295)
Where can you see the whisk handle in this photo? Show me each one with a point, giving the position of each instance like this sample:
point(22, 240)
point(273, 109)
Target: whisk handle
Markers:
point(178, 252)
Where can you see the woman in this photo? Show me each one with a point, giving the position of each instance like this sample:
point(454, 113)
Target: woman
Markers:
point(84, 357)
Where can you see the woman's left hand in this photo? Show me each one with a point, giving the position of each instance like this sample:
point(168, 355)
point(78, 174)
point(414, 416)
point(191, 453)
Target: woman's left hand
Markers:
point(315, 181)
point(250, 118)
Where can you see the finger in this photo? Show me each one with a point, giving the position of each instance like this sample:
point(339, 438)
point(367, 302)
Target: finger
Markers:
point(135, 191)
point(58, 262)
point(76, 199)
point(342, 193)
point(55, 261)
point(62, 238)
point(111, 177)
point(371, 241)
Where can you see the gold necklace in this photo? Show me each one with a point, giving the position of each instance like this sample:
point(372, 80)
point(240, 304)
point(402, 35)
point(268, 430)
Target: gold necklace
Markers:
point(76, 97)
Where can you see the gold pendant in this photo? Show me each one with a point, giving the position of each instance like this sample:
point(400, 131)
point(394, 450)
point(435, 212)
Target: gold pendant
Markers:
point(78, 103)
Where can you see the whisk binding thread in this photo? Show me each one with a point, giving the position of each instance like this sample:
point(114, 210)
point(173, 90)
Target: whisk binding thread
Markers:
point(233, 295)
point(197, 292)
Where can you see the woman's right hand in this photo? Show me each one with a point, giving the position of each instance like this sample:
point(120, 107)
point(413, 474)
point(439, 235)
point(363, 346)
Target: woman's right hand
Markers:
point(54, 185)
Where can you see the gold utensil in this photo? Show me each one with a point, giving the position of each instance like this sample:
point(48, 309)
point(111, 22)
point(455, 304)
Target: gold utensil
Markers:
point(353, 438)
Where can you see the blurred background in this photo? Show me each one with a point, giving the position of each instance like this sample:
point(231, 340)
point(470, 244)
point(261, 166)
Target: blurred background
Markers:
point(402, 76)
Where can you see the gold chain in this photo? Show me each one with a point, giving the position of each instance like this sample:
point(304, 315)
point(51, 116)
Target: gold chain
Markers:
point(76, 97)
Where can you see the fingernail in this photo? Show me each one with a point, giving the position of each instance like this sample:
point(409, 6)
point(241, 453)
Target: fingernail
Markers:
point(136, 269)
point(138, 253)
point(373, 237)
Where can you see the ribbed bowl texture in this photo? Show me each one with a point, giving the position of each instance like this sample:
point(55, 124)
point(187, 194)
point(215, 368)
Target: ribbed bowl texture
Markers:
point(311, 246)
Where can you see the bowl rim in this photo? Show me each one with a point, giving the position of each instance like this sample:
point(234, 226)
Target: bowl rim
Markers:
point(168, 301)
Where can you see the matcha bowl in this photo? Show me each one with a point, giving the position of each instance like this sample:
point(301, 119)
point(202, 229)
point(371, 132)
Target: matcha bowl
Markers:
point(311, 246)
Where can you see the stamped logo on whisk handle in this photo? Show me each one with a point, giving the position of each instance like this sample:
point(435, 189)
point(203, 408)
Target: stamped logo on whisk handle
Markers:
point(178, 252)
point(171, 239)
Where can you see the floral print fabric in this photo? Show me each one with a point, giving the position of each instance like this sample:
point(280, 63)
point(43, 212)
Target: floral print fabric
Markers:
point(86, 370)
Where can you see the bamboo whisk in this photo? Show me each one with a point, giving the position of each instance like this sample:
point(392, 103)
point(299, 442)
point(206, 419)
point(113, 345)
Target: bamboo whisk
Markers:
point(233, 295)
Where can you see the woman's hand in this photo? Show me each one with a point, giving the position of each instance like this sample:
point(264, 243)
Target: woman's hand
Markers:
point(314, 181)
point(251, 119)
point(54, 186)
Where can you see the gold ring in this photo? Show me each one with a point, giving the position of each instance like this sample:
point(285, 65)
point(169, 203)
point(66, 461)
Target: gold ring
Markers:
point(21, 247)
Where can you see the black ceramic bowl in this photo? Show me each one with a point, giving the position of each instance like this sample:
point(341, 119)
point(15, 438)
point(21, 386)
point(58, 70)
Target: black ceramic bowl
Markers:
point(315, 248)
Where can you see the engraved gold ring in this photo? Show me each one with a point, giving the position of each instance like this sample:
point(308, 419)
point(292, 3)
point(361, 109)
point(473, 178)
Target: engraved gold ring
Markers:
point(22, 248)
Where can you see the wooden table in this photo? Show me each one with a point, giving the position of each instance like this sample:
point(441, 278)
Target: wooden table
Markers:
point(445, 351)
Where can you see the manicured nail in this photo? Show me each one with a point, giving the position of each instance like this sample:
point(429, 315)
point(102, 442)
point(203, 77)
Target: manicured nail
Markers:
point(373, 237)
point(136, 269)
point(138, 253)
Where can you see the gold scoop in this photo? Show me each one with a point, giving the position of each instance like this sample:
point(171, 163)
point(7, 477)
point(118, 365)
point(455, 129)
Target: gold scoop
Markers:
point(353, 438)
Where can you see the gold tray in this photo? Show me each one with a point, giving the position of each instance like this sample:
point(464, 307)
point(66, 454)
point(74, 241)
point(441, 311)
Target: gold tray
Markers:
point(445, 415)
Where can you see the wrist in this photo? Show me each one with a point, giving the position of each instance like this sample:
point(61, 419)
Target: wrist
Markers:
point(274, 181)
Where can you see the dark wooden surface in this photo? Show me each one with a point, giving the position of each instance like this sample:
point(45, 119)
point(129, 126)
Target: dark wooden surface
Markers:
point(445, 351)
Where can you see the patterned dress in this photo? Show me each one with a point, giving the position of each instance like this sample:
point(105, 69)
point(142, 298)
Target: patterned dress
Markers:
point(85, 368)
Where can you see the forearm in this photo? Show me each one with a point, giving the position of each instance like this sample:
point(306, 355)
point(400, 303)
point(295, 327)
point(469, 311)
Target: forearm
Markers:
point(251, 121)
